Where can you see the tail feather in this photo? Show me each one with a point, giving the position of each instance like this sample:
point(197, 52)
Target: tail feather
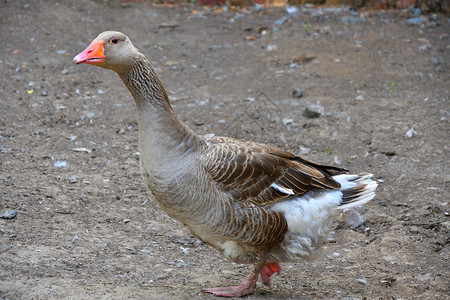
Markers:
point(356, 189)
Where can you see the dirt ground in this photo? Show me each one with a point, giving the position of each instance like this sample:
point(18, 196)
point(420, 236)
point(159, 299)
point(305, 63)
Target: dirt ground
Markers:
point(86, 227)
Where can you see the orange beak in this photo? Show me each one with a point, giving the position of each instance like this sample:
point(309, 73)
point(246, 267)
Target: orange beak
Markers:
point(93, 54)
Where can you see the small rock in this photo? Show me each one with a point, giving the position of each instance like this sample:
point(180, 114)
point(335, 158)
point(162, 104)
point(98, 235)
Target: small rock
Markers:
point(90, 115)
point(360, 98)
point(436, 61)
point(151, 14)
point(446, 225)
point(185, 250)
point(415, 21)
point(8, 214)
point(417, 11)
point(184, 264)
point(64, 72)
point(271, 47)
point(423, 48)
point(291, 9)
point(351, 19)
point(73, 179)
point(239, 16)
point(60, 164)
point(382, 203)
point(361, 280)
point(410, 133)
point(280, 21)
point(81, 149)
point(388, 281)
point(297, 93)
point(44, 93)
point(311, 112)
point(425, 277)
point(304, 150)
point(316, 12)
point(287, 121)
point(169, 24)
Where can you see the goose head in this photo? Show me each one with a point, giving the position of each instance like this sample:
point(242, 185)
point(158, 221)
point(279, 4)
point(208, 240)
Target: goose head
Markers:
point(110, 50)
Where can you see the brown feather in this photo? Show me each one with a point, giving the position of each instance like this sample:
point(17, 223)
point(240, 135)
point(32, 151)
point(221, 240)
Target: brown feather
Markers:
point(247, 170)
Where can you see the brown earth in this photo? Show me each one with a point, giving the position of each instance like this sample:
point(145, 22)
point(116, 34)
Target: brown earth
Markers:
point(90, 231)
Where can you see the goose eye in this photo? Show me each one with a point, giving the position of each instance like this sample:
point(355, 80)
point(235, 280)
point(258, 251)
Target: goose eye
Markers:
point(114, 41)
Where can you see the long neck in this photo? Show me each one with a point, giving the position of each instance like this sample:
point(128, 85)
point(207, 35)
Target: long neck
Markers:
point(163, 138)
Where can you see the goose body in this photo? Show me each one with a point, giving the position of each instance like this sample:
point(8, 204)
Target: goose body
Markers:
point(254, 203)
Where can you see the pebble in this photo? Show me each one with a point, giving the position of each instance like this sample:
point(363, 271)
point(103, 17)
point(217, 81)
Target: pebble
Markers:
point(423, 48)
point(415, 21)
point(316, 12)
point(382, 203)
point(297, 93)
point(335, 10)
point(291, 9)
point(82, 149)
point(271, 47)
point(446, 225)
point(436, 61)
point(304, 150)
point(287, 121)
point(410, 133)
point(152, 14)
point(73, 179)
point(90, 115)
point(351, 19)
point(280, 21)
point(417, 12)
point(361, 280)
point(239, 16)
point(360, 98)
point(60, 164)
point(44, 93)
point(8, 214)
point(311, 112)
point(64, 72)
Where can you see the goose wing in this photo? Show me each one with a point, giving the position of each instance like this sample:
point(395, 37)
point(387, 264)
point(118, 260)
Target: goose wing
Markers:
point(262, 174)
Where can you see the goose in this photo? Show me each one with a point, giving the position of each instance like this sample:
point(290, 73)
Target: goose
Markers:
point(255, 203)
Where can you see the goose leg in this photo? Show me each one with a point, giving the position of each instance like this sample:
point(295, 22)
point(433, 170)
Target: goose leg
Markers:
point(247, 286)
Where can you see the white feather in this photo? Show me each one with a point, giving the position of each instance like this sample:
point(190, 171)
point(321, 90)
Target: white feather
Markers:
point(310, 216)
point(282, 189)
